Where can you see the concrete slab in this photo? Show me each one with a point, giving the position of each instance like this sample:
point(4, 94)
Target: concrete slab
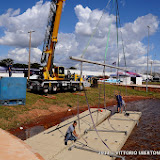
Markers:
point(50, 143)
point(12, 148)
point(114, 140)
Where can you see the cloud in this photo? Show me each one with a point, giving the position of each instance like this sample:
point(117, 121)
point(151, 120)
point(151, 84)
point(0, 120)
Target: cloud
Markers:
point(74, 44)
point(21, 55)
point(82, 13)
point(123, 2)
point(138, 30)
point(17, 25)
point(133, 34)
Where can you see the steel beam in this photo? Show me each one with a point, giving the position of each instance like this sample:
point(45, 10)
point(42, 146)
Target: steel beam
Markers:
point(97, 63)
point(119, 119)
point(98, 152)
point(125, 132)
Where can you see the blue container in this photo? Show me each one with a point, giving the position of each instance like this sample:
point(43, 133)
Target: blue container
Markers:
point(12, 91)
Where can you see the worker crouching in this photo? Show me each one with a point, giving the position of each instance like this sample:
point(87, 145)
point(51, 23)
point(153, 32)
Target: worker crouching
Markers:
point(71, 133)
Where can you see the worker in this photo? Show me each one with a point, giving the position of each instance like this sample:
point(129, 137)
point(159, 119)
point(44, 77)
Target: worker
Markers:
point(119, 102)
point(10, 69)
point(123, 105)
point(71, 133)
point(68, 74)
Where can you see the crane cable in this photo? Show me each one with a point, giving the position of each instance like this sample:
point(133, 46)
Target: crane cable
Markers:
point(108, 35)
point(94, 126)
point(121, 34)
point(79, 128)
point(84, 51)
point(117, 76)
point(122, 45)
point(105, 58)
point(104, 75)
point(118, 20)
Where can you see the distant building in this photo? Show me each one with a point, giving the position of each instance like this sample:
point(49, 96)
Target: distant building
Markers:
point(17, 72)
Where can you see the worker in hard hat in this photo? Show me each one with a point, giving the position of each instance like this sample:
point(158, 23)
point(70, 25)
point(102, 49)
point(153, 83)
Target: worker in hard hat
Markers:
point(71, 133)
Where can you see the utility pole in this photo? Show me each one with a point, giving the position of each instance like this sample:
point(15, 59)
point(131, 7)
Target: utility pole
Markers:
point(30, 32)
point(151, 67)
point(147, 60)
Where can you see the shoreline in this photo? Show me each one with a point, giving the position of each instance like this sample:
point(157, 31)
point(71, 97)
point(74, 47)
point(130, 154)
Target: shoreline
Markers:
point(54, 118)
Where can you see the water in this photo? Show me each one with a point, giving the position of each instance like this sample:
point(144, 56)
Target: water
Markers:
point(145, 136)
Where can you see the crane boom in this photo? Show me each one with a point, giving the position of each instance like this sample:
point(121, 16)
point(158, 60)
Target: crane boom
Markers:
point(51, 35)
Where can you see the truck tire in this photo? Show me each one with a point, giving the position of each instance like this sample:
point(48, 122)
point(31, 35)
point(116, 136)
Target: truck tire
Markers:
point(45, 89)
point(74, 89)
point(81, 88)
point(55, 88)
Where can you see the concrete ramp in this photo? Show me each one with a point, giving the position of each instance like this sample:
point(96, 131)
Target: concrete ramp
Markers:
point(114, 132)
point(50, 143)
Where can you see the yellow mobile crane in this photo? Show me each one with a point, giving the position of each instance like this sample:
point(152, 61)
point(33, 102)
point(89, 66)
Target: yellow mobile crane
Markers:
point(53, 78)
point(50, 42)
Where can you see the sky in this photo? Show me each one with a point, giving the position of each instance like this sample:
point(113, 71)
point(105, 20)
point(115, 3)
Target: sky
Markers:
point(78, 23)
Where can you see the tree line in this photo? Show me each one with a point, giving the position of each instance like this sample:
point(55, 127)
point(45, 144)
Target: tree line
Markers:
point(6, 62)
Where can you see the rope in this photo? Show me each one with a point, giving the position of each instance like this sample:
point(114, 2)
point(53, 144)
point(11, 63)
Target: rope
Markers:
point(79, 119)
point(108, 34)
point(57, 128)
point(86, 122)
point(78, 113)
point(93, 122)
point(117, 13)
point(83, 145)
point(105, 58)
point(104, 89)
point(94, 30)
point(99, 101)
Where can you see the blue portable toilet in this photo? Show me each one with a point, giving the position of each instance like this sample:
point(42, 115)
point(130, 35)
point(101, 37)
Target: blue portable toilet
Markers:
point(13, 90)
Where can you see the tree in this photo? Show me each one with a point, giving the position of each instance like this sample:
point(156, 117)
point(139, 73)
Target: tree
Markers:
point(35, 65)
point(72, 68)
point(6, 62)
point(19, 65)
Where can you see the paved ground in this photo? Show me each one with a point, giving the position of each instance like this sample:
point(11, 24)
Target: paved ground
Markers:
point(135, 85)
point(12, 148)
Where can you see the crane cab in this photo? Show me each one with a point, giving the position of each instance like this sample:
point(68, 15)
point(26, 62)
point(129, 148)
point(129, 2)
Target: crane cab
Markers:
point(59, 73)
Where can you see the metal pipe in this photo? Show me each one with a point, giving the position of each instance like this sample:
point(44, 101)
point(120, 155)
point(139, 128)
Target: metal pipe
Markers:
point(98, 152)
point(147, 60)
point(125, 132)
point(97, 63)
point(30, 32)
